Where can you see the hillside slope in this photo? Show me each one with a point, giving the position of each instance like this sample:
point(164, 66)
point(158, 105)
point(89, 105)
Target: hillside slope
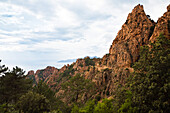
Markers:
point(111, 70)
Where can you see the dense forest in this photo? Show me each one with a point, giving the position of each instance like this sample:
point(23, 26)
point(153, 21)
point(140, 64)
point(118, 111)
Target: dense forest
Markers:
point(145, 90)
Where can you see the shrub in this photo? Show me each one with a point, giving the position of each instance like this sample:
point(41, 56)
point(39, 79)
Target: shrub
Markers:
point(105, 107)
point(89, 61)
point(33, 103)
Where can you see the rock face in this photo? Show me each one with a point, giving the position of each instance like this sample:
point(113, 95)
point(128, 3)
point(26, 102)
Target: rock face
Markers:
point(162, 26)
point(135, 32)
point(111, 70)
point(43, 74)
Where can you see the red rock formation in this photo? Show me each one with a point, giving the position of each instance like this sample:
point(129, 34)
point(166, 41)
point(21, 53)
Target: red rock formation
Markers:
point(162, 26)
point(134, 33)
point(113, 68)
point(31, 72)
point(42, 74)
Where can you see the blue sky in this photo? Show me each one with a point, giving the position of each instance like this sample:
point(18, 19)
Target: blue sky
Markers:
point(39, 33)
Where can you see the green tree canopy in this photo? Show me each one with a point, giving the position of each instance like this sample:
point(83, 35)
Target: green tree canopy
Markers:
point(43, 89)
point(77, 86)
point(13, 85)
point(106, 106)
point(150, 84)
point(3, 69)
point(33, 102)
point(126, 107)
point(89, 107)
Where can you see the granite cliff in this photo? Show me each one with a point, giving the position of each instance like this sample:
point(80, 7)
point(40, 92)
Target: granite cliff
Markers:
point(111, 71)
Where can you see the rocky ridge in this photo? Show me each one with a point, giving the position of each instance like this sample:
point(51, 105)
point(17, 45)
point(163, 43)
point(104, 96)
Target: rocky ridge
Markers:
point(162, 26)
point(111, 70)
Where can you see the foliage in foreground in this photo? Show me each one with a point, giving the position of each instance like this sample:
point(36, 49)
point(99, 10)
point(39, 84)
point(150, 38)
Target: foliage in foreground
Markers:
point(106, 106)
point(33, 103)
point(76, 87)
point(150, 84)
point(13, 84)
point(147, 90)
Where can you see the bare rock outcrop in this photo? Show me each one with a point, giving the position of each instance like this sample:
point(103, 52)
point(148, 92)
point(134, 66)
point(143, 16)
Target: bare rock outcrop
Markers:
point(43, 74)
point(135, 32)
point(162, 26)
point(111, 71)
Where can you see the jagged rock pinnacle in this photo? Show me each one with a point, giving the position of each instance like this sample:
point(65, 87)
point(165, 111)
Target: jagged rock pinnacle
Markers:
point(135, 32)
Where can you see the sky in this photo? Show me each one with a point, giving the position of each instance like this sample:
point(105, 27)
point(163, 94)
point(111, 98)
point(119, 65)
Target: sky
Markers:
point(35, 34)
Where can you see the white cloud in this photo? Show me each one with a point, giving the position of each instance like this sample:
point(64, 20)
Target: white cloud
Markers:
point(37, 33)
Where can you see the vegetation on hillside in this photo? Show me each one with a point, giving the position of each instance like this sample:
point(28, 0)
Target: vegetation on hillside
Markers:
point(77, 87)
point(145, 91)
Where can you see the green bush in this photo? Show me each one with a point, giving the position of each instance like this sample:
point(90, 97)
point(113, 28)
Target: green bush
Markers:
point(89, 107)
point(105, 107)
point(75, 109)
point(89, 61)
point(8, 108)
point(33, 103)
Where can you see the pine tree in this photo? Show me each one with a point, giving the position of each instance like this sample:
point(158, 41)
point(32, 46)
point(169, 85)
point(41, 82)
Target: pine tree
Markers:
point(3, 70)
point(13, 85)
point(43, 89)
point(32, 102)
